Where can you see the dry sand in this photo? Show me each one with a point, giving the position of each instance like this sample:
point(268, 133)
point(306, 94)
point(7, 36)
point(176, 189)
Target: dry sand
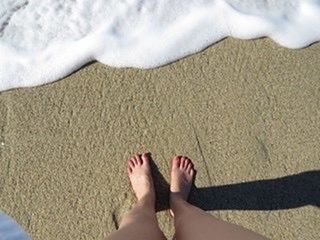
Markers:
point(244, 111)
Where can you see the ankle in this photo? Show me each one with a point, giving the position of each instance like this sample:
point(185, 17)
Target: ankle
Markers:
point(147, 200)
point(176, 202)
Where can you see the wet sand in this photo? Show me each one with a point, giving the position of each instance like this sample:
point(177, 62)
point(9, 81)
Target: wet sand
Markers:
point(246, 112)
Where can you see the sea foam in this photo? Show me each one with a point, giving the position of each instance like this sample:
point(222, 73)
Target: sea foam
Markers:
point(42, 41)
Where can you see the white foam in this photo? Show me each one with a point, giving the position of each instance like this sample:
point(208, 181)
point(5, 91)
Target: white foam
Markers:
point(42, 41)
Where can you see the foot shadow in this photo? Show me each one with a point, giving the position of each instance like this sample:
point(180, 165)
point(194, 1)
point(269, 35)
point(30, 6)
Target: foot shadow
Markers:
point(162, 188)
point(286, 192)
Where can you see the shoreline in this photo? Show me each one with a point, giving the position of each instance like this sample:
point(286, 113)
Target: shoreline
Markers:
point(244, 111)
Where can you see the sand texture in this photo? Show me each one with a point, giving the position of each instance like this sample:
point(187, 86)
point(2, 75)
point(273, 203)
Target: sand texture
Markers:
point(246, 112)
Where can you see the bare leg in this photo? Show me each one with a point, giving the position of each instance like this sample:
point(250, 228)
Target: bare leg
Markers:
point(141, 221)
point(191, 222)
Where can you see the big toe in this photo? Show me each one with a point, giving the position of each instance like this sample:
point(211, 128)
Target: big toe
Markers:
point(146, 158)
point(176, 162)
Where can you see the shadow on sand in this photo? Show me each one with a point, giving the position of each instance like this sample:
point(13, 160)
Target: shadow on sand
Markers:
point(268, 194)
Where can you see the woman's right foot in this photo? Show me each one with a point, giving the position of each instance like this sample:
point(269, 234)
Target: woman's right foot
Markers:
point(139, 172)
point(182, 173)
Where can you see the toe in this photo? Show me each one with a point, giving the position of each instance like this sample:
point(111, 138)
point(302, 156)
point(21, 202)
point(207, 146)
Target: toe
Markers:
point(131, 163)
point(136, 159)
point(182, 163)
point(176, 162)
point(191, 172)
point(187, 161)
point(145, 158)
point(189, 167)
point(139, 160)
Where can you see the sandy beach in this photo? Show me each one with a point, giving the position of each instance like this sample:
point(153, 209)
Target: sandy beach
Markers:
point(246, 112)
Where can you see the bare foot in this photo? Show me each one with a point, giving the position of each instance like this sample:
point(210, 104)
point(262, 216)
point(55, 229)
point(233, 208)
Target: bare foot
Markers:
point(139, 172)
point(182, 173)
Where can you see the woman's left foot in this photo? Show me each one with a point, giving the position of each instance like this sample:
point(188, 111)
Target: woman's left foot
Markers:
point(139, 172)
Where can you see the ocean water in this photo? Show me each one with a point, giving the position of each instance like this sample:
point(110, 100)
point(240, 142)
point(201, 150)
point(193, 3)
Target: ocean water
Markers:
point(43, 41)
point(10, 230)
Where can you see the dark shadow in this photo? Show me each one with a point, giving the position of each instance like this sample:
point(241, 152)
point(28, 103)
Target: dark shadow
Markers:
point(271, 194)
point(161, 186)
